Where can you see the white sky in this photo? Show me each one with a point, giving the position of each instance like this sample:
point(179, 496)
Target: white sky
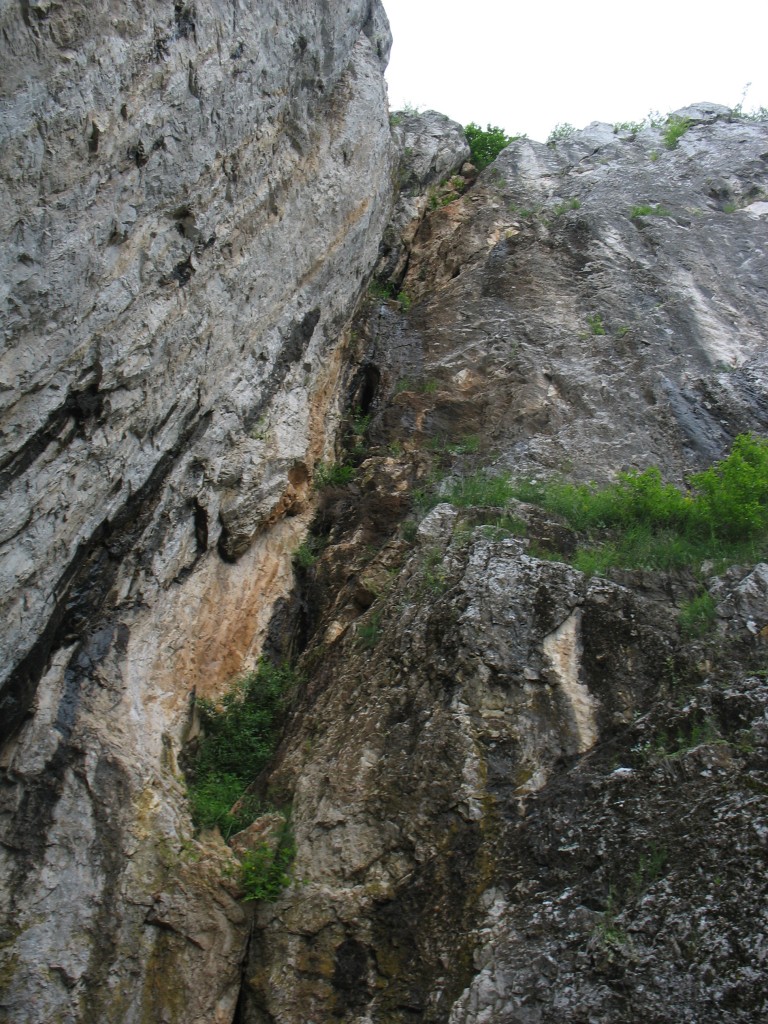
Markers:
point(527, 66)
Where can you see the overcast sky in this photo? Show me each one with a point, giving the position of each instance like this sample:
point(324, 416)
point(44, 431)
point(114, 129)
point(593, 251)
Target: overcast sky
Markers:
point(527, 66)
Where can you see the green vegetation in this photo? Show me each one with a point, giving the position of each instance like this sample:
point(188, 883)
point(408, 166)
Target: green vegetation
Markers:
point(485, 145)
point(480, 490)
point(653, 524)
point(629, 127)
point(468, 445)
point(687, 736)
point(306, 554)
point(641, 521)
point(333, 474)
point(738, 112)
point(560, 132)
point(368, 633)
point(385, 290)
point(644, 210)
point(266, 871)
point(356, 435)
point(360, 422)
point(698, 616)
point(504, 526)
point(758, 114)
point(380, 289)
point(240, 732)
point(596, 324)
point(569, 204)
point(447, 191)
point(435, 576)
point(304, 557)
point(674, 130)
point(405, 300)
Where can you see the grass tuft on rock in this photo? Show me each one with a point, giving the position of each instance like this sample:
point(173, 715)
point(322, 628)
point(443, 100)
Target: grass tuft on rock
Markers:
point(653, 524)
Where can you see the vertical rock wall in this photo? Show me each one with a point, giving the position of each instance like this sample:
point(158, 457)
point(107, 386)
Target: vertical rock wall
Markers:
point(522, 793)
point(192, 194)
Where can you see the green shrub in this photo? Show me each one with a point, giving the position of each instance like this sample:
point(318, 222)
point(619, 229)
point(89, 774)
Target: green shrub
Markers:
point(674, 130)
point(698, 616)
point(596, 324)
point(240, 732)
point(305, 555)
point(434, 573)
point(381, 289)
point(560, 132)
point(732, 496)
point(333, 474)
point(212, 798)
point(409, 529)
point(480, 489)
point(644, 210)
point(654, 524)
point(564, 207)
point(265, 871)
point(758, 114)
point(468, 445)
point(485, 145)
point(360, 422)
point(502, 527)
point(367, 633)
point(630, 127)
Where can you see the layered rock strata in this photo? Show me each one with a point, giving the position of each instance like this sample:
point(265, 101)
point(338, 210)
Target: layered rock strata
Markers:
point(192, 199)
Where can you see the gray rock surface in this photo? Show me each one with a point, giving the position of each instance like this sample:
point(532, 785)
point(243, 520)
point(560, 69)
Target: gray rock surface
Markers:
point(431, 149)
point(191, 200)
point(519, 794)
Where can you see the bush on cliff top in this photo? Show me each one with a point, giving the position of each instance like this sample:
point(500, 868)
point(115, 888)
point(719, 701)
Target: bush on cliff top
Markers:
point(485, 145)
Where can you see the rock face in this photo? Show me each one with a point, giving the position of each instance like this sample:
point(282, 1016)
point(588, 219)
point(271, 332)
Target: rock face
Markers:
point(193, 195)
point(518, 793)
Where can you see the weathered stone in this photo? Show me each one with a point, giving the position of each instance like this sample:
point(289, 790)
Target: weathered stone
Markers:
point(527, 788)
point(518, 793)
point(431, 148)
point(192, 197)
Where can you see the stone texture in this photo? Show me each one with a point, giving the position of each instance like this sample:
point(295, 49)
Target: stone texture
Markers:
point(519, 794)
point(192, 198)
point(431, 149)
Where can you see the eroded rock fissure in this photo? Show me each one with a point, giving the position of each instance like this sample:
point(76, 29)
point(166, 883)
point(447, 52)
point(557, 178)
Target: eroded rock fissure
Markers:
point(518, 791)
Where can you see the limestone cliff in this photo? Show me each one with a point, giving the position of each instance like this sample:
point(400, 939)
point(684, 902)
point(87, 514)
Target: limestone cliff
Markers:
point(519, 793)
point(193, 196)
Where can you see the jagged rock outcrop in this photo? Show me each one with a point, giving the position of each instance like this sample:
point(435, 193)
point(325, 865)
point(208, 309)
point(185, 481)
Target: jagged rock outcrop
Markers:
point(520, 794)
point(431, 148)
point(192, 199)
